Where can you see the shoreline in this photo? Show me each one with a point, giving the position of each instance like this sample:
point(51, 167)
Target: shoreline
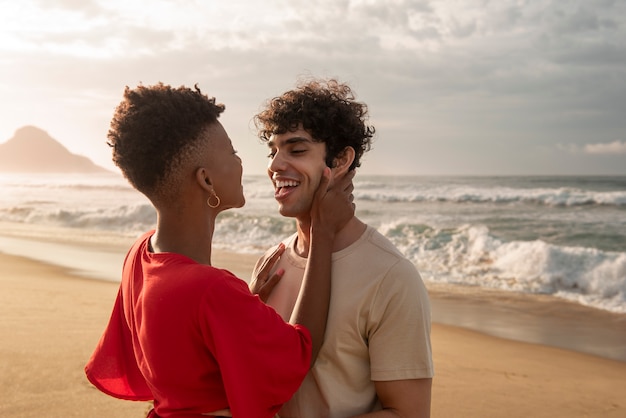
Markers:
point(535, 319)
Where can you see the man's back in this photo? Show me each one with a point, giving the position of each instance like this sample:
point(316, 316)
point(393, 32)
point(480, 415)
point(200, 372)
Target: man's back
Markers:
point(378, 327)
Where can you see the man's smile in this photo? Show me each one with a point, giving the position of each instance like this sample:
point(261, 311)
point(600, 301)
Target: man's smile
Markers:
point(283, 188)
point(286, 183)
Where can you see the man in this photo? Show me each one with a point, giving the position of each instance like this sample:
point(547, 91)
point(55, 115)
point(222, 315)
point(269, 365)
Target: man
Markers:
point(376, 357)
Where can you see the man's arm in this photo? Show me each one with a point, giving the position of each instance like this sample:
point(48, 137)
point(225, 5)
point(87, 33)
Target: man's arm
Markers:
point(400, 340)
point(403, 398)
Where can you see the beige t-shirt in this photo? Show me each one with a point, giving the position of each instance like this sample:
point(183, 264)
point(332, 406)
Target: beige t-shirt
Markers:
point(378, 327)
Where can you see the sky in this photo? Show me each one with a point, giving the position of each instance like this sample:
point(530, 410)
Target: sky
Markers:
point(454, 87)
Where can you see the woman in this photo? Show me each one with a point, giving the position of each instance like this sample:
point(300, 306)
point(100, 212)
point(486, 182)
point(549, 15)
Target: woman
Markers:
point(183, 333)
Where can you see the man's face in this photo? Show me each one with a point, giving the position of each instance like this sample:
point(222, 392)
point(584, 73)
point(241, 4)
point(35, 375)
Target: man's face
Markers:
point(296, 164)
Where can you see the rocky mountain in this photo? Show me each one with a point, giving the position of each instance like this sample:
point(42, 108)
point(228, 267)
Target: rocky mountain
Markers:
point(32, 150)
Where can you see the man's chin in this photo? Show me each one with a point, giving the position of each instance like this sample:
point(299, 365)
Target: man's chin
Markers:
point(287, 212)
point(284, 212)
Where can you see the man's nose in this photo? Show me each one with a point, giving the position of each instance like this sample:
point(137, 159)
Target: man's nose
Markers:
point(276, 163)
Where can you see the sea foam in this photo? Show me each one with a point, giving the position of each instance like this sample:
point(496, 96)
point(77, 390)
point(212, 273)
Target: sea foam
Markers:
point(560, 236)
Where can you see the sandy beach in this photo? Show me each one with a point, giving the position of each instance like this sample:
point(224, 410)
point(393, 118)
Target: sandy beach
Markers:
point(51, 318)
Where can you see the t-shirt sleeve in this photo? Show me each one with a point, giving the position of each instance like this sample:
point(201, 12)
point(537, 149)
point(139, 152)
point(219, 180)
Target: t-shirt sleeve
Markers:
point(262, 359)
point(399, 327)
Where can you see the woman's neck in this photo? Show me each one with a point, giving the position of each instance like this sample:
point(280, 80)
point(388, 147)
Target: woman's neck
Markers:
point(176, 234)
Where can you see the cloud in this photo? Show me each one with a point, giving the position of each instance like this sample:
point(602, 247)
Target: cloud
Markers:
point(471, 74)
point(598, 148)
point(89, 8)
point(610, 148)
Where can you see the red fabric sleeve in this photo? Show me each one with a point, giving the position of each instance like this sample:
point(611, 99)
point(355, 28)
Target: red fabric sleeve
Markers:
point(112, 367)
point(262, 359)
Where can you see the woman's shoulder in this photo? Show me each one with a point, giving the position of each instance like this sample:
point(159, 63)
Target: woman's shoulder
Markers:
point(215, 278)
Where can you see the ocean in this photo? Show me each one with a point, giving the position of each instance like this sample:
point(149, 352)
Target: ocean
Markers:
point(560, 236)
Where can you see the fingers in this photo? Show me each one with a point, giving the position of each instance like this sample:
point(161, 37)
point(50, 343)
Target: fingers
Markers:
point(261, 273)
point(322, 188)
point(345, 182)
point(327, 174)
point(272, 281)
point(271, 260)
point(350, 187)
point(352, 173)
point(268, 286)
point(345, 186)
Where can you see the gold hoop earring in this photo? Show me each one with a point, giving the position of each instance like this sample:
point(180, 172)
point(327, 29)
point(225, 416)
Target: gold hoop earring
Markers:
point(208, 201)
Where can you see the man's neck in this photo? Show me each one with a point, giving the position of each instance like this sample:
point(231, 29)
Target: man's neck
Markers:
point(351, 232)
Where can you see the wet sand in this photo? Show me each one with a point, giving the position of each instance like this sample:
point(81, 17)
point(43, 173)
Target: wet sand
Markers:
point(538, 319)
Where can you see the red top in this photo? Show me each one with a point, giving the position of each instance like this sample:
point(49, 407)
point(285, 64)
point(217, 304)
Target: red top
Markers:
point(195, 340)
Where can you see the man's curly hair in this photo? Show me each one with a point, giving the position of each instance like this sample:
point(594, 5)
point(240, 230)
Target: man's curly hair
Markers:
point(327, 110)
point(154, 130)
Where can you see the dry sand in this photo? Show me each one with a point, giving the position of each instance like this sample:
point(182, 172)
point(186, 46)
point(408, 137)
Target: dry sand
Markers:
point(51, 319)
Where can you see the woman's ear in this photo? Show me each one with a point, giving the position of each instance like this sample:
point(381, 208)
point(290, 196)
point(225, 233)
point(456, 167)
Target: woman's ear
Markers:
point(343, 161)
point(204, 179)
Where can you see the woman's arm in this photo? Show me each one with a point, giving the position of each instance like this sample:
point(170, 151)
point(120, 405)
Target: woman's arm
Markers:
point(332, 208)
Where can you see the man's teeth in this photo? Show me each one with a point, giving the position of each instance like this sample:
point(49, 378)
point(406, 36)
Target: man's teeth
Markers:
point(286, 183)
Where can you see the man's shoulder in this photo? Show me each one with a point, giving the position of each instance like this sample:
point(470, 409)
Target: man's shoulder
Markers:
point(382, 244)
point(378, 254)
point(287, 241)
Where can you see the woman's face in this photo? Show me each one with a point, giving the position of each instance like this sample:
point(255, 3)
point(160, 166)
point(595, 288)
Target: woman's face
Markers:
point(225, 167)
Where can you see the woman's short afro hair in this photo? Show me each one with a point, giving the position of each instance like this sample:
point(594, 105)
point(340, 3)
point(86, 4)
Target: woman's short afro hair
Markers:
point(154, 128)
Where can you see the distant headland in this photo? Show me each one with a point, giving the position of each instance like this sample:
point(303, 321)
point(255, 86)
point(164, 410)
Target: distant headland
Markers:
point(32, 150)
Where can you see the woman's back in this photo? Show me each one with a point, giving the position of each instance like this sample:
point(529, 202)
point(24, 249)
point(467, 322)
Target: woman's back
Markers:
point(201, 341)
